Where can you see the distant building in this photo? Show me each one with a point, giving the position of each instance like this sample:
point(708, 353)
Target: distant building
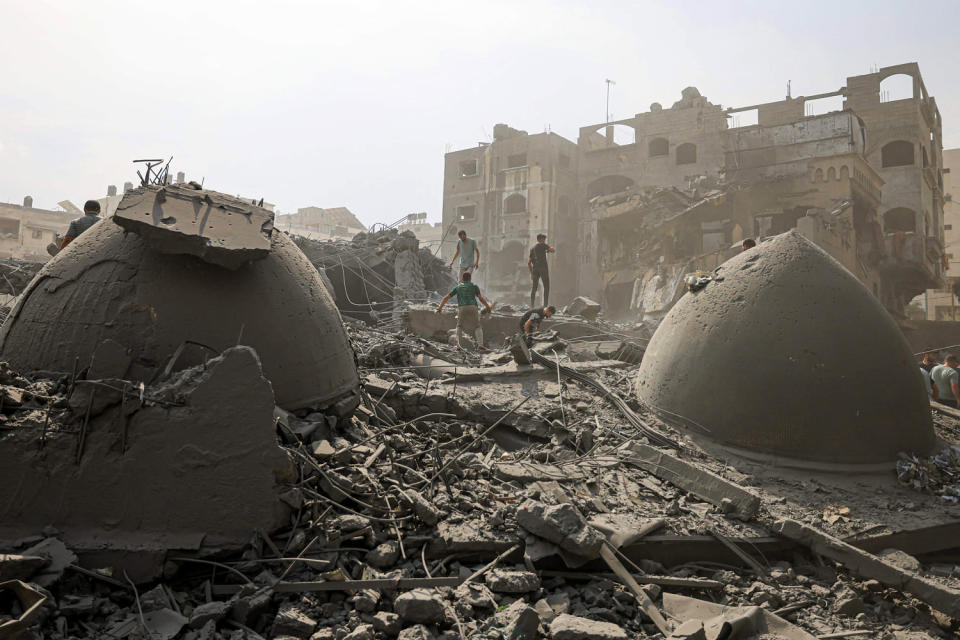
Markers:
point(25, 231)
point(636, 202)
point(944, 304)
point(319, 223)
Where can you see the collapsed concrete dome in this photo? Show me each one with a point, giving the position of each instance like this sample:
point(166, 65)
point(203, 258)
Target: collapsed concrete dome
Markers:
point(155, 292)
point(787, 353)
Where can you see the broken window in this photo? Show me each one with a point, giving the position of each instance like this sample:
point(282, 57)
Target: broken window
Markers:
point(467, 212)
point(9, 228)
point(686, 153)
point(900, 219)
point(468, 168)
point(608, 185)
point(515, 203)
point(898, 153)
point(659, 147)
point(517, 160)
point(747, 118)
point(37, 234)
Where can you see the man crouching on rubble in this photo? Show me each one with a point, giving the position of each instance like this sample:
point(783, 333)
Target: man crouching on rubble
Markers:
point(468, 311)
point(530, 322)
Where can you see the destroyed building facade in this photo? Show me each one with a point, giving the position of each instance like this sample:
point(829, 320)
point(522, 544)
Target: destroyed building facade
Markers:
point(857, 170)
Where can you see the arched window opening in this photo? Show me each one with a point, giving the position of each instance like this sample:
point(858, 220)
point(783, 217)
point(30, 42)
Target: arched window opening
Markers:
point(515, 203)
point(831, 174)
point(896, 87)
point(686, 153)
point(818, 175)
point(898, 153)
point(659, 147)
point(900, 219)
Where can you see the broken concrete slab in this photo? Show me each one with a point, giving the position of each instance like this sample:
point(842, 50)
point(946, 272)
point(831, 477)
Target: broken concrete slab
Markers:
point(20, 567)
point(583, 306)
point(562, 525)
point(721, 621)
point(213, 226)
point(58, 556)
point(208, 433)
point(290, 620)
point(700, 482)
point(869, 566)
point(506, 581)
point(568, 627)
point(471, 536)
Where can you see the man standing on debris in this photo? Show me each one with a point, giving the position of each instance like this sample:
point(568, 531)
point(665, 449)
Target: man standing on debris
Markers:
point(469, 254)
point(530, 321)
point(91, 215)
point(929, 361)
point(537, 263)
point(468, 311)
point(947, 380)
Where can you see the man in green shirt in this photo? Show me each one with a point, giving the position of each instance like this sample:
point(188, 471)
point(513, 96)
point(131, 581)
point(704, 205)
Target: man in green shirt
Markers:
point(469, 254)
point(468, 312)
point(946, 377)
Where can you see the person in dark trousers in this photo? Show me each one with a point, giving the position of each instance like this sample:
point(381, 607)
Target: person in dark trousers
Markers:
point(537, 263)
point(91, 216)
point(530, 321)
point(468, 311)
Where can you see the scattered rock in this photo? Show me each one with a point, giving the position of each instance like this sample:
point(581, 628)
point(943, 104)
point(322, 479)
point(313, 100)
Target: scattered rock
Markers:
point(420, 605)
point(567, 627)
point(386, 623)
point(383, 556)
point(900, 559)
point(416, 632)
point(849, 607)
point(203, 614)
point(293, 622)
point(503, 581)
point(362, 632)
point(562, 525)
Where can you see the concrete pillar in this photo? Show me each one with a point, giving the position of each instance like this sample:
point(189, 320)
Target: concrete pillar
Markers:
point(112, 190)
point(181, 177)
point(28, 202)
point(127, 186)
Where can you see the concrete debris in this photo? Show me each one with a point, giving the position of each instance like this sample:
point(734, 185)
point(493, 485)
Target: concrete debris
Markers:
point(505, 581)
point(18, 567)
point(562, 525)
point(20, 605)
point(567, 627)
point(939, 474)
point(584, 307)
point(421, 605)
point(292, 621)
point(179, 219)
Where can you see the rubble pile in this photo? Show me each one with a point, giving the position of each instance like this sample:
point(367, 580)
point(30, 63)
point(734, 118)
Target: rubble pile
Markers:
point(938, 474)
point(374, 274)
point(417, 518)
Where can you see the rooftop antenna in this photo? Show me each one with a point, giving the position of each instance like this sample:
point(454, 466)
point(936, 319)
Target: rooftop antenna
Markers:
point(788, 90)
point(609, 84)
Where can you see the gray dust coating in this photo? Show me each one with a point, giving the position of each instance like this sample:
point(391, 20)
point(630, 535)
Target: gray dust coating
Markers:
point(789, 355)
point(109, 284)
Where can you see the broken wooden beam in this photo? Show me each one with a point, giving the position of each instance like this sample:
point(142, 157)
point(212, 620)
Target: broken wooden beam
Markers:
point(870, 566)
point(646, 604)
point(394, 584)
point(699, 482)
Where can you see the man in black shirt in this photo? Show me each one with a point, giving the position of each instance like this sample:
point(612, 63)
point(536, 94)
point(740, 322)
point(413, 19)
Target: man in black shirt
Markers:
point(537, 263)
point(530, 321)
point(929, 361)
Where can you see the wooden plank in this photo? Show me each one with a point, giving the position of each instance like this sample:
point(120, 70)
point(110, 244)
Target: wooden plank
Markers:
point(397, 584)
point(869, 566)
point(646, 605)
point(699, 482)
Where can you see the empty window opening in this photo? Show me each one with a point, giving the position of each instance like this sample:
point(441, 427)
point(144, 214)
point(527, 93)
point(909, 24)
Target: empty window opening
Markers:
point(659, 147)
point(608, 185)
point(516, 160)
point(896, 87)
point(515, 203)
point(831, 174)
point(467, 213)
point(747, 118)
point(9, 228)
point(686, 153)
point(620, 134)
point(821, 106)
point(713, 236)
point(898, 153)
point(468, 168)
point(900, 219)
point(37, 234)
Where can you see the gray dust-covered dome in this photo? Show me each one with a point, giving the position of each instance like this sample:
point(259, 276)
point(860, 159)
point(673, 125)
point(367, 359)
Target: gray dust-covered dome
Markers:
point(790, 355)
point(110, 284)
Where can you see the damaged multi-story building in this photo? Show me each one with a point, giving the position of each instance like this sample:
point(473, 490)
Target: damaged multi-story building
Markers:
point(631, 215)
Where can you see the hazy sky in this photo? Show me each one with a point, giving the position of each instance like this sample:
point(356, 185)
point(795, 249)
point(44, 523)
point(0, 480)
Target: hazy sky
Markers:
point(353, 103)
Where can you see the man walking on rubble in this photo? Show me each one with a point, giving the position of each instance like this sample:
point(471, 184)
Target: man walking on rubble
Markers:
point(537, 264)
point(468, 311)
point(91, 216)
point(947, 380)
point(469, 254)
